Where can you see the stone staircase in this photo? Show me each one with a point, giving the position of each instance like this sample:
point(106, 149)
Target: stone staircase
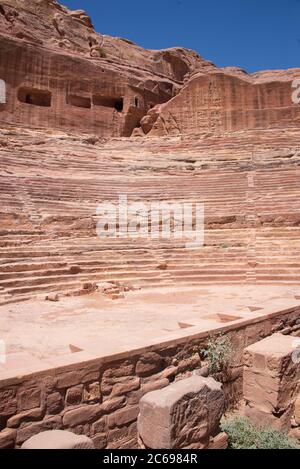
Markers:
point(49, 194)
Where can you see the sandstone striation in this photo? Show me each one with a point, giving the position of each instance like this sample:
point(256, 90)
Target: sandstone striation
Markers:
point(88, 118)
point(61, 74)
point(226, 100)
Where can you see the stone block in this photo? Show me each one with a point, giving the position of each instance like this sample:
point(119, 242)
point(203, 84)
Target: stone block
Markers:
point(270, 374)
point(92, 392)
point(113, 404)
point(259, 418)
point(26, 416)
point(7, 438)
point(98, 427)
point(74, 395)
point(29, 399)
point(54, 403)
point(82, 415)
point(149, 364)
point(8, 403)
point(297, 411)
point(32, 429)
point(100, 441)
point(219, 442)
point(126, 369)
point(125, 387)
point(182, 415)
point(123, 417)
point(58, 439)
point(135, 396)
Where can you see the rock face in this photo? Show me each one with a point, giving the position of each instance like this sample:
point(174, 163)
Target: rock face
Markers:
point(225, 101)
point(183, 415)
point(61, 74)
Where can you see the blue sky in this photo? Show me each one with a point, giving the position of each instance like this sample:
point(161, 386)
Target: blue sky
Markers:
point(252, 34)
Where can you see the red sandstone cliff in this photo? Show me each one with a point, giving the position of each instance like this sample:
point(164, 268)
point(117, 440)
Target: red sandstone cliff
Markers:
point(226, 100)
point(61, 74)
point(77, 79)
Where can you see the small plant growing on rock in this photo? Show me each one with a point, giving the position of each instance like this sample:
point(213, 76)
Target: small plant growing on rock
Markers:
point(102, 53)
point(218, 353)
point(243, 434)
point(225, 246)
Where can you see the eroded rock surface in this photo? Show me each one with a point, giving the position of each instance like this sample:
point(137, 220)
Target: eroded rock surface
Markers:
point(182, 415)
point(61, 74)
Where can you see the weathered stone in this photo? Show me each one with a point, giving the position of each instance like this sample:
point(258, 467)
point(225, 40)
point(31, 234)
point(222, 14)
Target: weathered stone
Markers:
point(270, 374)
point(297, 411)
point(149, 364)
point(120, 435)
point(126, 369)
point(7, 438)
point(125, 387)
point(74, 378)
point(219, 442)
point(135, 396)
point(74, 395)
point(100, 441)
point(29, 399)
point(25, 416)
point(123, 417)
point(184, 413)
point(281, 421)
point(49, 383)
point(98, 427)
point(54, 403)
point(204, 371)
point(81, 415)
point(32, 429)
point(295, 434)
point(113, 404)
point(123, 444)
point(181, 116)
point(58, 439)
point(189, 363)
point(8, 403)
point(92, 392)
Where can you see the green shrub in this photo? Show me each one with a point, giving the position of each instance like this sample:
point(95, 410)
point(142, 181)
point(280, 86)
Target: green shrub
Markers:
point(244, 435)
point(218, 353)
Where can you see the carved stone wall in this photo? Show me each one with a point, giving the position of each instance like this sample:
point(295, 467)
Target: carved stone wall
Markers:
point(100, 398)
point(221, 102)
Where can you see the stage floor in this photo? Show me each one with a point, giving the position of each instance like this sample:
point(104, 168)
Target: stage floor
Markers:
point(44, 331)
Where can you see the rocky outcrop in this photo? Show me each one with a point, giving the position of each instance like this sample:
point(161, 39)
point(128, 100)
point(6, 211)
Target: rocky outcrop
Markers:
point(228, 100)
point(61, 74)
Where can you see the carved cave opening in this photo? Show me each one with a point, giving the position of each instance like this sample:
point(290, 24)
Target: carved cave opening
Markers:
point(35, 97)
point(115, 103)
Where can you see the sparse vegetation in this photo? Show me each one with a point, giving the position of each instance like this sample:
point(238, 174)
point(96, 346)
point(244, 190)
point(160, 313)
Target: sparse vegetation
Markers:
point(218, 353)
point(102, 53)
point(244, 435)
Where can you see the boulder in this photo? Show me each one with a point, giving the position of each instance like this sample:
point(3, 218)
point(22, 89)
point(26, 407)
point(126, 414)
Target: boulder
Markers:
point(58, 439)
point(184, 414)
